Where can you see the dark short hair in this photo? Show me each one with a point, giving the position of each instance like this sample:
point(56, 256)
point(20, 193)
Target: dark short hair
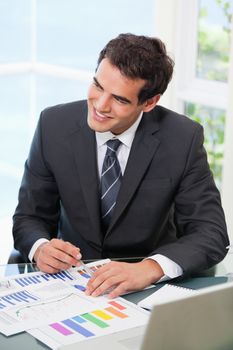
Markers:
point(138, 56)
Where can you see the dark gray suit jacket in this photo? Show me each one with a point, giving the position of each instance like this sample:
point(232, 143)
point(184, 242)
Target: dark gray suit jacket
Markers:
point(167, 204)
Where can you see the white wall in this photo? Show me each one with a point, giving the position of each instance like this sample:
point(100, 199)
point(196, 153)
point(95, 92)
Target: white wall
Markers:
point(166, 28)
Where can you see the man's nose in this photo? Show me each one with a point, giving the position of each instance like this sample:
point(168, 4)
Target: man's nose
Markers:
point(103, 104)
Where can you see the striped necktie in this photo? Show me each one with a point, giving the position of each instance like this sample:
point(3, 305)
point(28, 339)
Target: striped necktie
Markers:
point(110, 182)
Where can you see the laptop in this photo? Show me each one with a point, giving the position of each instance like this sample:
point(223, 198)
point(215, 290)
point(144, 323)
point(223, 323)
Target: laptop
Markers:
point(202, 321)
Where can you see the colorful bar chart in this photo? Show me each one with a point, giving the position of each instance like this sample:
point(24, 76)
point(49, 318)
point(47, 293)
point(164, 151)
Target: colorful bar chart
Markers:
point(99, 318)
point(108, 317)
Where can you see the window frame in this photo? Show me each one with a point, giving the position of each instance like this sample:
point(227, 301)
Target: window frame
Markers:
point(180, 35)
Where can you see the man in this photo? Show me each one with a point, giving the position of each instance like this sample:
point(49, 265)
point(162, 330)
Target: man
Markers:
point(164, 203)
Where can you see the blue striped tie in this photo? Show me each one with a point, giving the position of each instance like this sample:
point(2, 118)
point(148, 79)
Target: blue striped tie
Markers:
point(110, 182)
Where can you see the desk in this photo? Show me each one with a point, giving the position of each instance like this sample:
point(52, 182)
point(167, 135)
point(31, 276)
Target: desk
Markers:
point(27, 342)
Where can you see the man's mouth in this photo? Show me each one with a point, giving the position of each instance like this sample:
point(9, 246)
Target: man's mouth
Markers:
point(99, 116)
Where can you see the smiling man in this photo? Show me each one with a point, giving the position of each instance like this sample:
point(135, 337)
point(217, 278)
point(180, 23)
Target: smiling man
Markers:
point(113, 100)
point(119, 176)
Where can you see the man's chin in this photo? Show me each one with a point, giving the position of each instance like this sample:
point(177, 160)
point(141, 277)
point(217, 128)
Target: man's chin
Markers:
point(96, 127)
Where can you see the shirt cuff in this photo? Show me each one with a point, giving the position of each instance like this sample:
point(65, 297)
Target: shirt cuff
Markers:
point(35, 246)
point(169, 267)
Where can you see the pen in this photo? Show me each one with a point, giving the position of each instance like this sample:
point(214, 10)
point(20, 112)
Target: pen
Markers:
point(86, 268)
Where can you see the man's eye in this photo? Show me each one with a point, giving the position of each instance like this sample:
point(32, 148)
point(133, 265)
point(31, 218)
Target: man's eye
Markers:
point(121, 101)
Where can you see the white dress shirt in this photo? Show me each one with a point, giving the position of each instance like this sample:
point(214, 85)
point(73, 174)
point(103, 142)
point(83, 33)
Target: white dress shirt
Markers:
point(170, 268)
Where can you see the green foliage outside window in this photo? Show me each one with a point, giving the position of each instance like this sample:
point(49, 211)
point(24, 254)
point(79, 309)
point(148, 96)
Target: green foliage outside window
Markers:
point(214, 29)
point(214, 39)
point(213, 121)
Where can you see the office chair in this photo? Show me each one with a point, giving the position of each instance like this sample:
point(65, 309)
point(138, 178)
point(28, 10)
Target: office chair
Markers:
point(15, 257)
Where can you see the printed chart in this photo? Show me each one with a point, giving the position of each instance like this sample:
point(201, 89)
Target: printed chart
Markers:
point(33, 299)
point(115, 315)
point(55, 309)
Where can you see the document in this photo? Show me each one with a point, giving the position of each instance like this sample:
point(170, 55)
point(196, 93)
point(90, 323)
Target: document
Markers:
point(31, 299)
point(54, 308)
point(102, 319)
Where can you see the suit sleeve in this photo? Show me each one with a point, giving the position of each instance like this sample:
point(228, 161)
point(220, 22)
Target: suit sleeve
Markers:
point(38, 209)
point(198, 215)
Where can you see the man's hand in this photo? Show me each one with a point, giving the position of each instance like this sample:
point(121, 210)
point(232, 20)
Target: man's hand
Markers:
point(56, 255)
point(121, 277)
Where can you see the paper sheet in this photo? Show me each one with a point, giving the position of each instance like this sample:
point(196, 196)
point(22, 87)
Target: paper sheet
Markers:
point(32, 299)
point(108, 318)
point(54, 308)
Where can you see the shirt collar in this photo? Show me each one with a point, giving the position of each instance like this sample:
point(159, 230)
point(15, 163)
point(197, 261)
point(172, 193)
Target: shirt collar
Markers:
point(126, 137)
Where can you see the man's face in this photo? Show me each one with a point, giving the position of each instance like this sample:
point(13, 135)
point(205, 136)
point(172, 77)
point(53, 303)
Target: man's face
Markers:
point(113, 100)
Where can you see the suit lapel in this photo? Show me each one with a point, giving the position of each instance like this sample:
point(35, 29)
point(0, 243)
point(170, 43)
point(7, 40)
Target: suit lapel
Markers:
point(144, 147)
point(84, 146)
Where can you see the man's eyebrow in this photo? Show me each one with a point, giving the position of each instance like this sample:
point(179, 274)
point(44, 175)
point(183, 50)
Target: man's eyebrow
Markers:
point(121, 98)
point(97, 83)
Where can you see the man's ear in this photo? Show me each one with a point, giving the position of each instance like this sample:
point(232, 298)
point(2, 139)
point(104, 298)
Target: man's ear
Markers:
point(151, 103)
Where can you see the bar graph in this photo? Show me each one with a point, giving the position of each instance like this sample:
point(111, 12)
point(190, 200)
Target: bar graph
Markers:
point(64, 276)
point(37, 299)
point(17, 298)
point(36, 278)
point(107, 317)
point(89, 324)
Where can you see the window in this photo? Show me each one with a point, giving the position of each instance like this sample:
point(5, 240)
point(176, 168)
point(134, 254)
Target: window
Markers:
point(199, 88)
point(200, 38)
point(212, 64)
point(203, 59)
point(214, 31)
point(213, 121)
point(49, 51)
